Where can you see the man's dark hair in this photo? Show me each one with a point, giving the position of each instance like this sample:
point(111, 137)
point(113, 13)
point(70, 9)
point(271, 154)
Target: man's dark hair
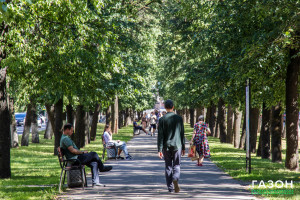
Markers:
point(67, 126)
point(169, 104)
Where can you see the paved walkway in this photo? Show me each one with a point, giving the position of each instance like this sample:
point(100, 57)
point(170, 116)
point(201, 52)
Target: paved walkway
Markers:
point(143, 178)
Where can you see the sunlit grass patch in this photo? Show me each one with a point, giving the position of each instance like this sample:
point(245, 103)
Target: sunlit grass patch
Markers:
point(233, 162)
point(36, 171)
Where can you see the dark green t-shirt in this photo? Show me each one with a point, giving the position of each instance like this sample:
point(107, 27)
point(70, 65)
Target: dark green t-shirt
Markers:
point(65, 142)
point(170, 133)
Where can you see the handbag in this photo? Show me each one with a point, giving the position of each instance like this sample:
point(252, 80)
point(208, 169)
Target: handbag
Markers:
point(192, 152)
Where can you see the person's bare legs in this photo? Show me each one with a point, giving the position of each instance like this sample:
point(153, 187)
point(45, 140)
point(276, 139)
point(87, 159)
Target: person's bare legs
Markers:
point(200, 160)
point(119, 152)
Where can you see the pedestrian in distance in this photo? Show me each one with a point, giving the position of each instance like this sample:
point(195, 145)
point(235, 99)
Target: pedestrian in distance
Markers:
point(91, 159)
point(199, 139)
point(153, 119)
point(171, 145)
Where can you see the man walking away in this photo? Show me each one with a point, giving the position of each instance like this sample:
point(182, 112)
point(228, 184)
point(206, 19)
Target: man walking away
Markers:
point(171, 145)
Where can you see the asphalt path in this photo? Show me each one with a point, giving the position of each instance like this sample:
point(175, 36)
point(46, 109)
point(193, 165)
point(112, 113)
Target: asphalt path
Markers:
point(143, 178)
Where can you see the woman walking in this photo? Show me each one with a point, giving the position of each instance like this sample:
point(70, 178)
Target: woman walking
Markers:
point(199, 139)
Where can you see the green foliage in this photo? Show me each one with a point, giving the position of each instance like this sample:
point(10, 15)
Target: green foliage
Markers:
point(210, 48)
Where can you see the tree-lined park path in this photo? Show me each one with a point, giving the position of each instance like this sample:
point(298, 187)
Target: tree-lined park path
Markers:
point(143, 178)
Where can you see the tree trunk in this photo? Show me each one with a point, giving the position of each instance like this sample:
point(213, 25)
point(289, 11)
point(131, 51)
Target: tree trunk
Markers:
point(276, 133)
point(265, 133)
point(212, 119)
point(70, 114)
point(115, 117)
point(192, 117)
point(87, 128)
point(5, 171)
point(254, 117)
point(13, 125)
point(51, 116)
point(207, 116)
point(258, 152)
point(243, 137)
point(230, 119)
point(184, 115)
point(79, 134)
point(58, 115)
point(121, 118)
point(188, 115)
point(199, 111)
point(34, 125)
point(292, 111)
point(108, 116)
point(95, 122)
point(221, 120)
point(27, 126)
point(49, 131)
point(237, 128)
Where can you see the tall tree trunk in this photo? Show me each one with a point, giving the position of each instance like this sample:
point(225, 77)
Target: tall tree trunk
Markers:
point(199, 111)
point(49, 131)
point(254, 115)
point(95, 122)
point(13, 125)
point(258, 152)
point(187, 115)
point(207, 116)
point(212, 119)
point(292, 111)
point(5, 171)
point(79, 134)
point(34, 125)
point(70, 114)
point(265, 133)
point(230, 120)
point(108, 116)
point(192, 117)
point(121, 118)
point(51, 115)
point(184, 115)
point(221, 120)
point(87, 128)
point(115, 117)
point(276, 134)
point(237, 128)
point(58, 115)
point(27, 126)
point(243, 137)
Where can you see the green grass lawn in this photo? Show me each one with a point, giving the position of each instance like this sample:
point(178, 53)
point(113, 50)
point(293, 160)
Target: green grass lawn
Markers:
point(36, 171)
point(233, 162)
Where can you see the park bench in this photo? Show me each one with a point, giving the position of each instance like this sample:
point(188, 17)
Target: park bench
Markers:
point(136, 131)
point(111, 150)
point(76, 171)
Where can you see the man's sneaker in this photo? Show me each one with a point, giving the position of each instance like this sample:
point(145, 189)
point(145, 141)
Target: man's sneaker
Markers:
point(176, 186)
point(129, 158)
point(120, 157)
point(106, 169)
point(98, 185)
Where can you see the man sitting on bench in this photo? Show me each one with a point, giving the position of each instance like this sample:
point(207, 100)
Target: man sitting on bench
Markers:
point(91, 159)
point(136, 126)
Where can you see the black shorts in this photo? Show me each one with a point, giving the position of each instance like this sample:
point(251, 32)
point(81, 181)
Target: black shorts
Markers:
point(153, 126)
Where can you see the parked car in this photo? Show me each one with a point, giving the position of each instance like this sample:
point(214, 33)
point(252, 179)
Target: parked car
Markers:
point(20, 118)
